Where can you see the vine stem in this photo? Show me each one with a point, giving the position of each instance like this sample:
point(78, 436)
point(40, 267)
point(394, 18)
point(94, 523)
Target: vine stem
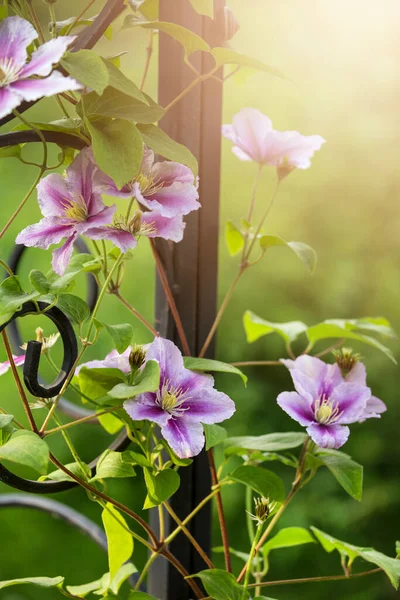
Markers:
point(258, 363)
point(221, 514)
point(36, 21)
point(252, 205)
point(263, 219)
point(149, 52)
point(22, 204)
point(191, 85)
point(251, 556)
point(137, 314)
point(74, 22)
point(315, 579)
point(189, 517)
point(170, 298)
point(221, 310)
point(80, 421)
point(21, 390)
point(194, 542)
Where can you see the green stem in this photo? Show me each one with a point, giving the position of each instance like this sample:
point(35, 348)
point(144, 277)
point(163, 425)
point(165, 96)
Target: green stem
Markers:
point(251, 556)
point(315, 579)
point(192, 85)
point(145, 569)
point(82, 420)
point(263, 219)
point(69, 443)
point(190, 516)
point(252, 205)
point(249, 508)
point(53, 20)
point(102, 293)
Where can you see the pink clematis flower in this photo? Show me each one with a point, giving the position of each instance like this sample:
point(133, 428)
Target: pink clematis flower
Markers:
point(18, 360)
point(113, 360)
point(16, 81)
point(255, 139)
point(70, 207)
point(165, 191)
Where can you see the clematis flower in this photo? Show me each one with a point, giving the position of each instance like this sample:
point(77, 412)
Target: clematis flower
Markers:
point(185, 399)
point(374, 407)
point(18, 360)
point(21, 80)
point(255, 139)
point(113, 360)
point(165, 191)
point(70, 207)
point(324, 402)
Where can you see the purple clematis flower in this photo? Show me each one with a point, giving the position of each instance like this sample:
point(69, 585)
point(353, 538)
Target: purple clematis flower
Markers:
point(185, 399)
point(374, 407)
point(255, 139)
point(324, 402)
point(165, 191)
point(70, 207)
point(16, 82)
point(113, 360)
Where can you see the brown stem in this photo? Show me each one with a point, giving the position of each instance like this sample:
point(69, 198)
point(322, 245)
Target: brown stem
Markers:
point(136, 313)
point(193, 541)
point(18, 383)
point(103, 496)
point(170, 298)
point(82, 420)
point(222, 310)
point(221, 514)
point(258, 363)
point(315, 579)
point(149, 52)
point(328, 350)
point(36, 22)
point(179, 567)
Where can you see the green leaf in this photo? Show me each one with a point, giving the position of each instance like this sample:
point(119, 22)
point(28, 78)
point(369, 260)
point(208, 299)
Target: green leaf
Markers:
point(26, 448)
point(347, 472)
point(113, 103)
point(190, 41)
point(110, 422)
point(271, 442)
point(88, 68)
point(260, 480)
point(74, 467)
point(207, 364)
point(391, 566)
point(227, 56)
point(306, 254)
point(121, 334)
point(104, 585)
point(74, 307)
point(264, 598)
point(286, 538)
point(215, 434)
point(12, 297)
point(112, 465)
point(118, 149)
point(203, 7)
point(256, 327)
point(160, 487)
point(120, 82)
point(96, 383)
point(119, 540)
point(222, 585)
point(159, 141)
point(346, 329)
point(140, 596)
point(10, 151)
point(43, 582)
point(39, 281)
point(136, 459)
point(5, 420)
point(147, 380)
point(234, 238)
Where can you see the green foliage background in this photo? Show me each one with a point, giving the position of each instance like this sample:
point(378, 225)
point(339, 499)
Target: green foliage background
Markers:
point(342, 57)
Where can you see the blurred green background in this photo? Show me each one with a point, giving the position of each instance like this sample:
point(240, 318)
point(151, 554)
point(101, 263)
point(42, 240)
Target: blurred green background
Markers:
point(343, 58)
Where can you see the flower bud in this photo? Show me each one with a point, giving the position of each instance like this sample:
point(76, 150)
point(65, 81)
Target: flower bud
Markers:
point(346, 358)
point(262, 509)
point(137, 357)
point(135, 223)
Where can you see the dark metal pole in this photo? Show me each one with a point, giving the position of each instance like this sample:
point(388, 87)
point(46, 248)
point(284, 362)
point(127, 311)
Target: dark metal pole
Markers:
point(191, 265)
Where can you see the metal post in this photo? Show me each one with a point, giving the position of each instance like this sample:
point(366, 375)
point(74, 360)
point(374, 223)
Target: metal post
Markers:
point(192, 264)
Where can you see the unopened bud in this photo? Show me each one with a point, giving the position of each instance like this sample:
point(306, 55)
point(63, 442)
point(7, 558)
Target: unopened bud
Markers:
point(284, 169)
point(39, 334)
point(346, 359)
point(262, 509)
point(137, 357)
point(135, 223)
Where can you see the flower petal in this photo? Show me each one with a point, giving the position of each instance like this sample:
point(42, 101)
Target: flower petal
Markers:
point(103, 217)
point(164, 227)
point(373, 410)
point(33, 89)
point(296, 406)
point(296, 148)
point(45, 233)
point(120, 238)
point(80, 177)
point(351, 400)
point(18, 361)
point(16, 34)
point(358, 374)
point(62, 256)
point(250, 127)
point(209, 406)
point(169, 358)
point(46, 56)
point(8, 101)
point(185, 438)
point(139, 411)
point(176, 199)
point(113, 360)
point(53, 194)
point(328, 436)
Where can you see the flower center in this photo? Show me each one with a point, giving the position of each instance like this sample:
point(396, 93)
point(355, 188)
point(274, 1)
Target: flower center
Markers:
point(135, 226)
point(76, 211)
point(326, 411)
point(171, 400)
point(8, 71)
point(148, 185)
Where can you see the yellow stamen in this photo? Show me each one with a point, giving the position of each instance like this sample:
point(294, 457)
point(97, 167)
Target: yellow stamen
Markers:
point(325, 411)
point(76, 211)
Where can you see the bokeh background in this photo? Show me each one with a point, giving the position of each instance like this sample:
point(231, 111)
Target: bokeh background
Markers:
point(343, 57)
